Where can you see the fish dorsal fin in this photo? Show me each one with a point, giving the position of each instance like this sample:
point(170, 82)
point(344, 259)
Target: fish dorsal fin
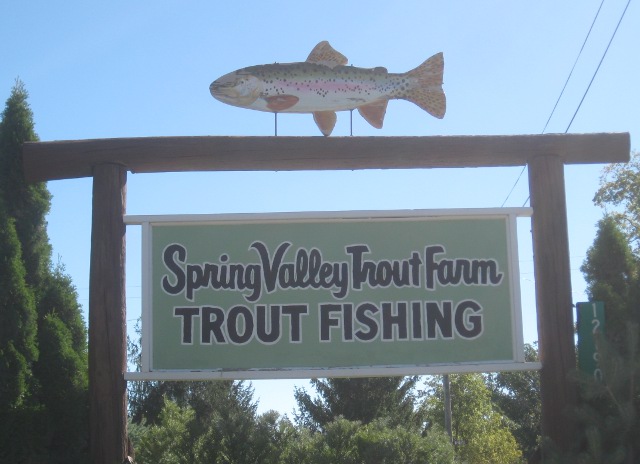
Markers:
point(323, 53)
point(326, 121)
point(374, 112)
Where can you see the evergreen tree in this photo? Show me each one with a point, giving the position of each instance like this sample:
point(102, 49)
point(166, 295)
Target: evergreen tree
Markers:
point(26, 203)
point(39, 303)
point(63, 393)
point(359, 399)
point(18, 348)
point(609, 410)
point(169, 441)
point(611, 273)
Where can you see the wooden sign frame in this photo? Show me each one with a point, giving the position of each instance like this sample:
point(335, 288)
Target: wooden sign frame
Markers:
point(108, 161)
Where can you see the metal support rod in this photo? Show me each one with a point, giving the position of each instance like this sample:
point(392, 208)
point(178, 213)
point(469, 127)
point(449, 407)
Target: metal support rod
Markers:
point(351, 123)
point(446, 386)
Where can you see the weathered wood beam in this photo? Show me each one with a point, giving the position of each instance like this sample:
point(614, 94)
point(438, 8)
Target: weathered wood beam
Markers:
point(554, 303)
point(107, 318)
point(45, 161)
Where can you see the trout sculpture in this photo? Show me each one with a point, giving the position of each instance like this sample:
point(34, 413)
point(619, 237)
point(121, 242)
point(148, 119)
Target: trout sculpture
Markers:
point(324, 84)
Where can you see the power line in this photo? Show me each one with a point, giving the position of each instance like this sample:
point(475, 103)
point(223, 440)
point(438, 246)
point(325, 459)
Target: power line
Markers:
point(565, 86)
point(514, 186)
point(574, 66)
point(599, 64)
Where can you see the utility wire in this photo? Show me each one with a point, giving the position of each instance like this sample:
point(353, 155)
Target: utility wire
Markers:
point(514, 186)
point(599, 64)
point(574, 66)
point(562, 93)
point(595, 73)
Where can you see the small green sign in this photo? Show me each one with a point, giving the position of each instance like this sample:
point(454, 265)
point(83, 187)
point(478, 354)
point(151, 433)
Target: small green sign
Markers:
point(312, 294)
point(590, 327)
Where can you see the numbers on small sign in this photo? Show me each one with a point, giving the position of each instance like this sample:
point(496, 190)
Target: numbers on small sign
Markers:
point(595, 322)
point(597, 374)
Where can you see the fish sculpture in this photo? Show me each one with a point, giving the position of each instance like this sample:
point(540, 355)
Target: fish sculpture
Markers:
point(325, 84)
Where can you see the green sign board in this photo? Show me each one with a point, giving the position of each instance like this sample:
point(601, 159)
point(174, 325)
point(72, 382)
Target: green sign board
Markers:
point(320, 294)
point(590, 327)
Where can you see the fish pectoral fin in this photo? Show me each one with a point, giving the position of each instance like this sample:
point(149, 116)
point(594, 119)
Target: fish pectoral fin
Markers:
point(326, 121)
point(374, 112)
point(279, 103)
point(323, 53)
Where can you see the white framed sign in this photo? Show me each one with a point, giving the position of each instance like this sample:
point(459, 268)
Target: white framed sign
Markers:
point(295, 295)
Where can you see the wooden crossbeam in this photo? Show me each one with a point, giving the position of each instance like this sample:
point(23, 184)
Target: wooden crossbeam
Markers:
point(45, 161)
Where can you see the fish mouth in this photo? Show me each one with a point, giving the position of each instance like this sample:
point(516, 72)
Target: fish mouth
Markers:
point(225, 92)
point(235, 90)
point(221, 89)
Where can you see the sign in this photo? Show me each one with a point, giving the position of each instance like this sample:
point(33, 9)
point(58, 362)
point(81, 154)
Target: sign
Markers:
point(330, 294)
point(590, 327)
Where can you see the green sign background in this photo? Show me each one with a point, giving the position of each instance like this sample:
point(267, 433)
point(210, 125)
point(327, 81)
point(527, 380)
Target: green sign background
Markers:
point(591, 324)
point(397, 239)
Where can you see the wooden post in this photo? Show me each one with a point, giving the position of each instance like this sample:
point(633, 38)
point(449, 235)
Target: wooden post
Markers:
point(553, 297)
point(107, 318)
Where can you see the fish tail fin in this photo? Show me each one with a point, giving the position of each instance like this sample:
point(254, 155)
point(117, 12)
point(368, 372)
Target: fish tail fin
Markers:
point(427, 93)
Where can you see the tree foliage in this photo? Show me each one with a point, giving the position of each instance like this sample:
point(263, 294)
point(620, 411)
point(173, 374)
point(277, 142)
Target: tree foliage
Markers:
point(480, 434)
point(611, 273)
point(63, 390)
point(18, 348)
point(168, 441)
point(619, 194)
point(359, 399)
point(43, 347)
point(609, 410)
point(517, 395)
point(213, 432)
point(351, 442)
point(26, 203)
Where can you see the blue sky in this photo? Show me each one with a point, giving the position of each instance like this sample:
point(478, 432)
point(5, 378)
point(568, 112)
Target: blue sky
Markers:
point(135, 69)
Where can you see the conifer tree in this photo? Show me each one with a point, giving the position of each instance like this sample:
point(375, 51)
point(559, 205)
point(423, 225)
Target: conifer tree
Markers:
point(39, 303)
point(26, 203)
point(18, 348)
point(609, 411)
point(610, 271)
point(359, 399)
